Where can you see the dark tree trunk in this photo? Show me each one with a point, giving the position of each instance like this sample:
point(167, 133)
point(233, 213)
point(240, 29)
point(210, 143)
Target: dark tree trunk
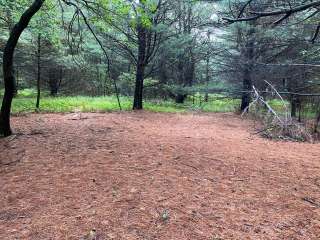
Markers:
point(163, 71)
point(138, 93)
point(246, 94)
point(38, 73)
point(60, 77)
point(190, 71)
point(299, 108)
point(17, 81)
point(53, 88)
point(180, 98)
point(293, 106)
point(163, 78)
point(8, 70)
point(206, 97)
point(247, 81)
point(54, 81)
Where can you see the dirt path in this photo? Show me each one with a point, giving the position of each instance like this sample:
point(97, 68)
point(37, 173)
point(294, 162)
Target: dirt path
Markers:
point(155, 176)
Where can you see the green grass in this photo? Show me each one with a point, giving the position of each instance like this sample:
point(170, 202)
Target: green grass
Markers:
point(69, 104)
point(26, 98)
point(22, 104)
point(278, 105)
point(224, 105)
point(27, 93)
point(25, 102)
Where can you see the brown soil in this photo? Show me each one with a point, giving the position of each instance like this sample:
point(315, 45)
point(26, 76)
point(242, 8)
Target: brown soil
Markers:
point(155, 176)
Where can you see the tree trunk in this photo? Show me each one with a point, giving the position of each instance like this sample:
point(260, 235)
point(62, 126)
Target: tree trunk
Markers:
point(54, 81)
point(317, 122)
point(293, 106)
point(138, 93)
point(246, 94)
point(60, 77)
point(190, 71)
point(180, 98)
point(8, 70)
point(206, 97)
point(38, 73)
point(17, 81)
point(247, 81)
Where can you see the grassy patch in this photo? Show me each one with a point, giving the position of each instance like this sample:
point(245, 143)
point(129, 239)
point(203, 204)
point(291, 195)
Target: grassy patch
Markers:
point(69, 104)
point(223, 105)
point(24, 104)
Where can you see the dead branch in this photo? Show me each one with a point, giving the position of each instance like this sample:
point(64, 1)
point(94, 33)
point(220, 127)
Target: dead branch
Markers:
point(311, 201)
point(279, 125)
point(285, 13)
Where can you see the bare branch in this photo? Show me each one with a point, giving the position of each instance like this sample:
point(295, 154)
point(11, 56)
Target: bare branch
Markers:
point(286, 12)
point(315, 35)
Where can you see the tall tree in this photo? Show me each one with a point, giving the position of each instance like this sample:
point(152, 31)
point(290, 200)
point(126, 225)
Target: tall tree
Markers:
point(135, 30)
point(8, 70)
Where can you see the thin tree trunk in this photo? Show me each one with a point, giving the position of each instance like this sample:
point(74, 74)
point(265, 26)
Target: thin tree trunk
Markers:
point(38, 73)
point(206, 98)
point(8, 70)
point(60, 78)
point(138, 93)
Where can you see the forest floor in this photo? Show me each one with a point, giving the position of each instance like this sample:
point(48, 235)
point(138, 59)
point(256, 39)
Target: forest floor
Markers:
point(155, 176)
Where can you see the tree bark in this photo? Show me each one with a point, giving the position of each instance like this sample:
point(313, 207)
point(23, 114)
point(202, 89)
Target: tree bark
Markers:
point(294, 104)
point(180, 95)
point(17, 81)
point(180, 98)
point(190, 71)
point(38, 73)
point(8, 70)
point(55, 79)
point(247, 87)
point(206, 97)
point(138, 93)
point(247, 80)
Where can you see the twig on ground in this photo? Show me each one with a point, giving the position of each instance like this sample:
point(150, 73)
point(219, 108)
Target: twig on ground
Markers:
point(311, 201)
point(15, 161)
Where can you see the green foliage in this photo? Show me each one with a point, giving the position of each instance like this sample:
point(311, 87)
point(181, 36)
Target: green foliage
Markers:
point(47, 23)
point(126, 84)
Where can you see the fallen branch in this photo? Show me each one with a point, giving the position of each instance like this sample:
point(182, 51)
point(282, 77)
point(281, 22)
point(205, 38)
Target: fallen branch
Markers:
point(277, 125)
point(311, 201)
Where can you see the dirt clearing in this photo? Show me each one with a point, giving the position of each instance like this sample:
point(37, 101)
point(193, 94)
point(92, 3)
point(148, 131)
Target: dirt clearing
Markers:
point(155, 176)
